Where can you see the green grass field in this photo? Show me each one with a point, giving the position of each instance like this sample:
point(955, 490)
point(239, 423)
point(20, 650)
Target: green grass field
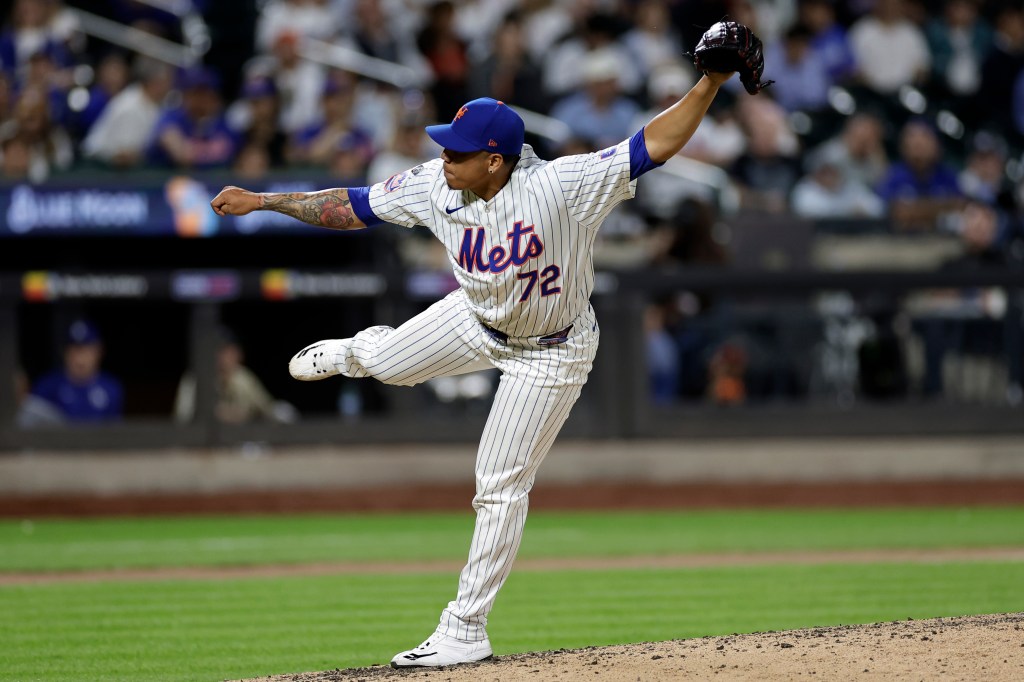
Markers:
point(227, 629)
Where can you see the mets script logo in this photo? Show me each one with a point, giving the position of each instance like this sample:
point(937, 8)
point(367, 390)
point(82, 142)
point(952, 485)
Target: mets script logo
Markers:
point(462, 112)
point(523, 245)
point(394, 182)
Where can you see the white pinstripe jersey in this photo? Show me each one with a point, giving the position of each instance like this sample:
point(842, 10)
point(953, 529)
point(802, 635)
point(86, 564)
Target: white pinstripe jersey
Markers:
point(524, 258)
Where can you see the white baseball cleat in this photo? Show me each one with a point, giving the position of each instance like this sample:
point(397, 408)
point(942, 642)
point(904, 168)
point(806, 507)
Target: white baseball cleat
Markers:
point(441, 650)
point(315, 361)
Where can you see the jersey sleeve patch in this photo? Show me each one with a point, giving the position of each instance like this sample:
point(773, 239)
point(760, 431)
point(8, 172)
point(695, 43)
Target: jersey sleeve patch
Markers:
point(395, 181)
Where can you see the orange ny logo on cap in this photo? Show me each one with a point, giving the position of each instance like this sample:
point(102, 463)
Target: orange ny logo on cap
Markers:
point(459, 115)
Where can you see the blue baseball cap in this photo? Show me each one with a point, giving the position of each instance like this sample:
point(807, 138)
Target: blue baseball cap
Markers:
point(259, 87)
point(83, 333)
point(484, 124)
point(196, 77)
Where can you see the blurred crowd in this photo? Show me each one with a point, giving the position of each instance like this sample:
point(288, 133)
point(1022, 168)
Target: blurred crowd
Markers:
point(883, 109)
point(900, 113)
point(879, 105)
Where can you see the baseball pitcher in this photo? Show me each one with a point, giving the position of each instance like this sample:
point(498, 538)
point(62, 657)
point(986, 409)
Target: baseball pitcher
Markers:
point(519, 232)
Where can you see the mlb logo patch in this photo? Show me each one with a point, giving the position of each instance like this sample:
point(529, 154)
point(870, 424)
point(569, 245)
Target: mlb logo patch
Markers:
point(608, 152)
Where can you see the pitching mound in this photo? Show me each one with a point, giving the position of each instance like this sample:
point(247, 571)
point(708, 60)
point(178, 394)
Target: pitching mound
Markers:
point(965, 648)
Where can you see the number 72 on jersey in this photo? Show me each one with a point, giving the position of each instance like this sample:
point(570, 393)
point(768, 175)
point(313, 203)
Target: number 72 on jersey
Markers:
point(524, 245)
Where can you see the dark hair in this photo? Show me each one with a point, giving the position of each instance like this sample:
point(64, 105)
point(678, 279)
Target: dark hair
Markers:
point(510, 160)
point(799, 32)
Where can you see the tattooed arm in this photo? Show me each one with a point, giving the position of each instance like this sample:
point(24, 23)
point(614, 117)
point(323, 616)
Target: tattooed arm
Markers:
point(328, 208)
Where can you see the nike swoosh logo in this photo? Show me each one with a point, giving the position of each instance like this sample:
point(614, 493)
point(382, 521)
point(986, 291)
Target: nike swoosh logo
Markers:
point(306, 350)
point(449, 211)
point(416, 657)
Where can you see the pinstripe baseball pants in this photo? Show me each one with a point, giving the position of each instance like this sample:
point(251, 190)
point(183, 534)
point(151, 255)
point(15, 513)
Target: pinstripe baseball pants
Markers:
point(538, 387)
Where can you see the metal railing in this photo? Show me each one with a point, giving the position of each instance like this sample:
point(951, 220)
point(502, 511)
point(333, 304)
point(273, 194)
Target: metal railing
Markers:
point(139, 41)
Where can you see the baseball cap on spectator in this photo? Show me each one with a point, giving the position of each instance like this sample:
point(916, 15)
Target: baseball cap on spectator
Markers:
point(196, 77)
point(333, 86)
point(356, 140)
point(669, 80)
point(288, 37)
point(484, 124)
point(985, 142)
point(600, 65)
point(82, 332)
point(259, 87)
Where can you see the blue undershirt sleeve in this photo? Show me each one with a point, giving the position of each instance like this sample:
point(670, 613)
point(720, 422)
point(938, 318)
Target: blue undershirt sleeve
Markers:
point(639, 160)
point(360, 198)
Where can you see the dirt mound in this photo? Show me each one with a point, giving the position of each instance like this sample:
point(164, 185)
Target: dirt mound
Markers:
point(987, 647)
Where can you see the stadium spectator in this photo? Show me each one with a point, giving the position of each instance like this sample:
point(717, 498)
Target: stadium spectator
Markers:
point(983, 177)
point(409, 147)
point(599, 113)
point(252, 162)
point(299, 83)
point(508, 73)
point(38, 26)
point(317, 143)
point(42, 73)
point(545, 22)
point(255, 120)
point(652, 43)
point(661, 353)
point(826, 192)
point(297, 18)
point(719, 139)
point(994, 102)
point(727, 370)
point(350, 159)
point(32, 411)
point(920, 187)
point(112, 76)
point(959, 40)
point(769, 168)
point(890, 50)
point(49, 146)
point(689, 237)
point(194, 134)
point(859, 149)
point(565, 63)
point(378, 35)
point(969, 323)
point(830, 44)
point(801, 78)
point(123, 130)
point(7, 95)
point(17, 159)
point(768, 18)
point(241, 396)
point(677, 337)
point(79, 389)
point(477, 21)
point(447, 54)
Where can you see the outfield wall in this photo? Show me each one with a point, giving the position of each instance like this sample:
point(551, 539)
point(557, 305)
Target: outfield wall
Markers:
point(256, 468)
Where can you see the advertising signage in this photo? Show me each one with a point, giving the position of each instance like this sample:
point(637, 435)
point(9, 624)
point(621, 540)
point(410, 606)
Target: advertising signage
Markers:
point(176, 206)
